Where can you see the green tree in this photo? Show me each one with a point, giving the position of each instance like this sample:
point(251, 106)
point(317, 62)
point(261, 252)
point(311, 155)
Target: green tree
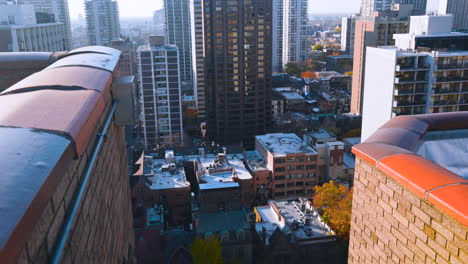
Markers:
point(292, 69)
point(317, 47)
point(207, 251)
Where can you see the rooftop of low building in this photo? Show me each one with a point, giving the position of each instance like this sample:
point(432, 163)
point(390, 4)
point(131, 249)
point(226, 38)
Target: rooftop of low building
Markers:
point(281, 145)
point(296, 217)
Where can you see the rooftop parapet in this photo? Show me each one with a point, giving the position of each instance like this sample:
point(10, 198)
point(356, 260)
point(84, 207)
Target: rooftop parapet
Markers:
point(427, 155)
point(52, 127)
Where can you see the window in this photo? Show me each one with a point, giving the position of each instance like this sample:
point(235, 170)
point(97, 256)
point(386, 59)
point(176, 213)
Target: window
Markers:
point(279, 178)
point(280, 169)
point(311, 158)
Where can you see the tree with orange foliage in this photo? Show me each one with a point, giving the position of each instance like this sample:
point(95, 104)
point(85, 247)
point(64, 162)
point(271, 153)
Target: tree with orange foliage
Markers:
point(334, 204)
point(308, 74)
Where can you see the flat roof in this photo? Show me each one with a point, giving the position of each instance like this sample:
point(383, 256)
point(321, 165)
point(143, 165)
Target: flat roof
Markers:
point(292, 96)
point(309, 223)
point(220, 171)
point(280, 145)
point(255, 160)
point(222, 221)
point(165, 175)
point(353, 140)
point(321, 134)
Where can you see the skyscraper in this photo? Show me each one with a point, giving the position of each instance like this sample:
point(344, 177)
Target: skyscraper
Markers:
point(198, 56)
point(294, 30)
point(277, 36)
point(159, 76)
point(58, 9)
point(459, 10)
point(102, 21)
point(348, 25)
point(425, 72)
point(237, 69)
point(369, 6)
point(178, 34)
point(418, 5)
point(375, 31)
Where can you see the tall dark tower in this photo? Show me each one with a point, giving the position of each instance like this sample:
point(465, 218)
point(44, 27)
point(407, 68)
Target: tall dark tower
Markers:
point(238, 69)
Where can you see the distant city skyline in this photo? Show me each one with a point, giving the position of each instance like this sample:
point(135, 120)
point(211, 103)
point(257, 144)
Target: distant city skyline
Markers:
point(145, 8)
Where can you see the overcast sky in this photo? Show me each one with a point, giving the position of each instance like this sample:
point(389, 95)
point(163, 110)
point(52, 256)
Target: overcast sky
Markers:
point(145, 8)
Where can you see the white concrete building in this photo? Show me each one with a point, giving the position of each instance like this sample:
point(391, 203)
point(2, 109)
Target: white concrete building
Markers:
point(348, 25)
point(102, 21)
point(20, 32)
point(277, 36)
point(160, 94)
point(423, 73)
point(178, 33)
point(459, 10)
point(198, 56)
point(60, 11)
point(294, 30)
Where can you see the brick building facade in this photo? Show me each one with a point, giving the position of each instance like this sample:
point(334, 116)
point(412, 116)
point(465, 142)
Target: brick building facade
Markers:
point(406, 208)
point(56, 138)
point(292, 162)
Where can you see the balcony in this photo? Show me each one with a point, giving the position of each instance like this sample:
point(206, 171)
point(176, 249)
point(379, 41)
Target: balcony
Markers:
point(402, 172)
point(405, 103)
point(411, 67)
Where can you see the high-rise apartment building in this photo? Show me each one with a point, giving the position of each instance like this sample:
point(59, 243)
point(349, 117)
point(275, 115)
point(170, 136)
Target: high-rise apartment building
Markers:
point(127, 63)
point(160, 94)
point(375, 31)
point(198, 56)
point(426, 72)
point(57, 10)
point(294, 30)
point(459, 10)
point(19, 31)
point(348, 25)
point(237, 69)
point(178, 34)
point(277, 36)
point(418, 5)
point(102, 21)
point(368, 7)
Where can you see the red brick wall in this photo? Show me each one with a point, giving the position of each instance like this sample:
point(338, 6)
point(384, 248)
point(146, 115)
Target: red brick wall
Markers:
point(103, 229)
point(294, 188)
point(390, 224)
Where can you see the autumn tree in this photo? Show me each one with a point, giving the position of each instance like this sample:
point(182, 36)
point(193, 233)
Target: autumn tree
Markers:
point(308, 74)
point(207, 251)
point(334, 203)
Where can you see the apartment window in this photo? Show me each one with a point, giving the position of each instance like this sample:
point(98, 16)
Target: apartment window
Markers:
point(279, 178)
point(279, 194)
point(279, 169)
point(311, 158)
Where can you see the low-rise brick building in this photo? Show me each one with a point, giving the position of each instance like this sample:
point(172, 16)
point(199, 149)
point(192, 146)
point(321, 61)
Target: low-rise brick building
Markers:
point(293, 164)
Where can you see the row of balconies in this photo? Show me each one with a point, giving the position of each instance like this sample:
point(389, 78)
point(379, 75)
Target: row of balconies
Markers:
point(412, 67)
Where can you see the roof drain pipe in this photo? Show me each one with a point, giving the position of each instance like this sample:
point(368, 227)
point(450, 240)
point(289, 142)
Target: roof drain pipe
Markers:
point(59, 250)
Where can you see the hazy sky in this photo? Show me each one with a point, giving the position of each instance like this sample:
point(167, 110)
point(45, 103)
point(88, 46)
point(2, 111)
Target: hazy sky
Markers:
point(145, 8)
